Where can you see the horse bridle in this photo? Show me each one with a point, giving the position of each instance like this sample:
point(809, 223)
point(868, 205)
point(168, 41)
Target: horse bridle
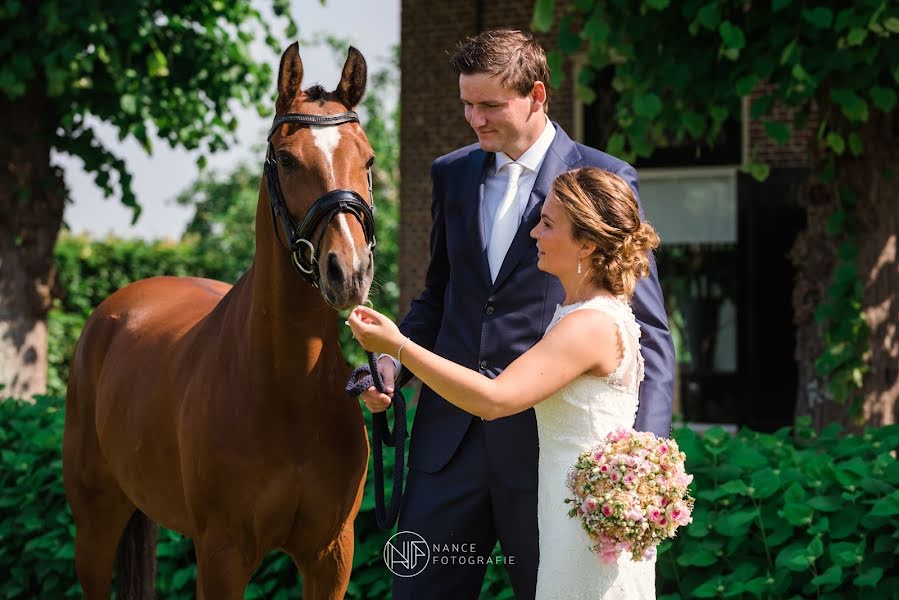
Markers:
point(322, 210)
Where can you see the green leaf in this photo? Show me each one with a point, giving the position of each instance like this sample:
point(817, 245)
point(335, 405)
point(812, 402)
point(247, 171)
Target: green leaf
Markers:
point(850, 103)
point(128, 103)
point(658, 4)
point(694, 123)
point(815, 548)
point(845, 554)
point(746, 84)
point(794, 558)
point(779, 5)
point(709, 16)
point(892, 24)
point(836, 143)
point(869, 578)
point(585, 94)
point(883, 98)
point(821, 17)
point(855, 144)
point(777, 131)
point(832, 576)
point(856, 36)
point(886, 507)
point(732, 36)
point(596, 29)
point(555, 59)
point(764, 484)
point(544, 15)
point(826, 503)
point(759, 171)
point(735, 523)
point(648, 106)
point(797, 514)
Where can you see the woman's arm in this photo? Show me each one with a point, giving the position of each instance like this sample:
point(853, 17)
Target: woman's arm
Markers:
point(585, 340)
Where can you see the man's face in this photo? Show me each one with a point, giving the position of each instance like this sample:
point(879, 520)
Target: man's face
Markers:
point(503, 120)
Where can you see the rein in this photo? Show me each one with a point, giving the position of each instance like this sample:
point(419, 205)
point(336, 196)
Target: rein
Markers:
point(323, 210)
point(381, 435)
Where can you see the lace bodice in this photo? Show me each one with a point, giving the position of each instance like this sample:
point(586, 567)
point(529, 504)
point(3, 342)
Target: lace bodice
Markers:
point(570, 421)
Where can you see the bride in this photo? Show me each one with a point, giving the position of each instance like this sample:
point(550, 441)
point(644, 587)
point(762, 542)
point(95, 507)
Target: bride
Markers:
point(582, 378)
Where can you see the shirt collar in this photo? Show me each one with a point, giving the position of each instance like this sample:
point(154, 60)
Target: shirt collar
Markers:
point(533, 156)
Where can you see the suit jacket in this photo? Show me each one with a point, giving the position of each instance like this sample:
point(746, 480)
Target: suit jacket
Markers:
point(485, 326)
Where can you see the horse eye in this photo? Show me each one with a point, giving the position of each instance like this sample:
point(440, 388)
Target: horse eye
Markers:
point(286, 161)
point(370, 162)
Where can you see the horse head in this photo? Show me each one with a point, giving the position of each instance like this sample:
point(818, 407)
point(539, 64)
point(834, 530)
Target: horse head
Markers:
point(318, 173)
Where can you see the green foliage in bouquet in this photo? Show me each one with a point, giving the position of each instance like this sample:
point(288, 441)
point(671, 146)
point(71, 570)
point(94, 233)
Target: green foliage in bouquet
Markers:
point(792, 514)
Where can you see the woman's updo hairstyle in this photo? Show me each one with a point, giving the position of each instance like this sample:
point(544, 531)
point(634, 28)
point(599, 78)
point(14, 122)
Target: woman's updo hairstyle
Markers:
point(603, 210)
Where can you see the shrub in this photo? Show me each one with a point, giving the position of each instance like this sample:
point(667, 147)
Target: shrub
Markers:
point(792, 514)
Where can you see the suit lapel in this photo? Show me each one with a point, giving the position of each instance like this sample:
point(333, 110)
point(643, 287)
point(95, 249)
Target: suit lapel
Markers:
point(561, 156)
point(472, 192)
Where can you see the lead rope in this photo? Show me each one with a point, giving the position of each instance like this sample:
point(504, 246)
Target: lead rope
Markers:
point(381, 435)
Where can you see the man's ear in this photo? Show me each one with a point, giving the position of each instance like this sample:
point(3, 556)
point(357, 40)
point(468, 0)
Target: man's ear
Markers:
point(538, 95)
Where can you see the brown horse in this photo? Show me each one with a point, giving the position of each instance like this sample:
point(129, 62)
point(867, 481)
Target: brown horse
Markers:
point(219, 411)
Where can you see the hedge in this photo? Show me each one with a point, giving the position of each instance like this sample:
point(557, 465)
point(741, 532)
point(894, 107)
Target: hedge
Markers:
point(792, 514)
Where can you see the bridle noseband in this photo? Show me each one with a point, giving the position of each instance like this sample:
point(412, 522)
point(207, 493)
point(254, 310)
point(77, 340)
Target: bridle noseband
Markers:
point(322, 210)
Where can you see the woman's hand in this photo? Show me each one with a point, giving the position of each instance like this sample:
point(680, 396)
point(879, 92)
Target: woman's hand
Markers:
point(374, 331)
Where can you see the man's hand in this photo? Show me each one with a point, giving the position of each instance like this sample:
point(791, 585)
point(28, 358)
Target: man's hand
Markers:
point(375, 401)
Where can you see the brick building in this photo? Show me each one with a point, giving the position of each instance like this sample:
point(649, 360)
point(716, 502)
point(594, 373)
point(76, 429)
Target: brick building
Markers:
point(724, 262)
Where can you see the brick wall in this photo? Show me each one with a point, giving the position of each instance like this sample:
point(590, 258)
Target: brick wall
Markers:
point(794, 153)
point(432, 121)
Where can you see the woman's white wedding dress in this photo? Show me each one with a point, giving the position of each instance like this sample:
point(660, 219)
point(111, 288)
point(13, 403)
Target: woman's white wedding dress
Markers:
point(569, 422)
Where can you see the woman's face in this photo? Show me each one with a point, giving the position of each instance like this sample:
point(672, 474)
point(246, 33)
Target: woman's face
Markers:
point(557, 250)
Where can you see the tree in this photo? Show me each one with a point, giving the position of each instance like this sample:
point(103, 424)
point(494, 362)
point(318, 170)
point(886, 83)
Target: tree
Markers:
point(170, 70)
point(681, 69)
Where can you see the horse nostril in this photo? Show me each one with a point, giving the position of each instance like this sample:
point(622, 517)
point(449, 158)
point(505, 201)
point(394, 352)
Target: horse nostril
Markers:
point(335, 272)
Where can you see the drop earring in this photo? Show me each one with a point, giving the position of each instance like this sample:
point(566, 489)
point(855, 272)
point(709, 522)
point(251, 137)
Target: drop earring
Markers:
point(578, 266)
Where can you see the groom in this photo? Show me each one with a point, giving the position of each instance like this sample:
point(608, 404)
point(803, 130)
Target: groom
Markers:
point(470, 481)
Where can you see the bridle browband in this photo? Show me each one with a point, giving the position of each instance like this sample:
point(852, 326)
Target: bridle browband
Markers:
point(324, 209)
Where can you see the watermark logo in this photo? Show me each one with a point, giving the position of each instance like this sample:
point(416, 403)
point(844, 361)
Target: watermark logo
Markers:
point(406, 554)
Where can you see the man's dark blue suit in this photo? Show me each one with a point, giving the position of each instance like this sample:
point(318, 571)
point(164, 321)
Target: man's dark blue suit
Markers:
point(470, 481)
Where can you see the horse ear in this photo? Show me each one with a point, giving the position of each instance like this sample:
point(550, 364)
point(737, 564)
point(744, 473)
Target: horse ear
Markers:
point(352, 81)
point(290, 77)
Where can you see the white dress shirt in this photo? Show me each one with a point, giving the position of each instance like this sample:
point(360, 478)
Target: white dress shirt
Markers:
point(498, 178)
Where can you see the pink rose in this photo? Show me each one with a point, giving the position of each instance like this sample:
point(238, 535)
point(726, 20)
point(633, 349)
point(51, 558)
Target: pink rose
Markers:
point(607, 509)
point(589, 504)
point(653, 513)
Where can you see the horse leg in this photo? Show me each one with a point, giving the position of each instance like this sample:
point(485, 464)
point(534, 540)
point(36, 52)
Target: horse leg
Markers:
point(223, 571)
point(100, 509)
point(327, 577)
point(100, 518)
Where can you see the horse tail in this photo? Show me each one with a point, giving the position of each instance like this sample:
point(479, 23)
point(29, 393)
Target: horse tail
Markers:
point(136, 560)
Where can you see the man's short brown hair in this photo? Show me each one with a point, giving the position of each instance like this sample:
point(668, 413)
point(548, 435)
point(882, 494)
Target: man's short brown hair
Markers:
point(511, 55)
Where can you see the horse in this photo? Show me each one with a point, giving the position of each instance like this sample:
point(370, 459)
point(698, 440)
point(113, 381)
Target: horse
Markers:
point(220, 412)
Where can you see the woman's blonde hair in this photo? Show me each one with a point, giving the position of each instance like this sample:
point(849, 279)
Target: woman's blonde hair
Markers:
point(603, 210)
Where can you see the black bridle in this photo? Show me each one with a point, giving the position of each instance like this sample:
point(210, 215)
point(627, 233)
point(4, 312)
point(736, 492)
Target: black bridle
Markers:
point(299, 239)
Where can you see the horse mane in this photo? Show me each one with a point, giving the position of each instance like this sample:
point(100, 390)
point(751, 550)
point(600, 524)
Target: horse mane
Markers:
point(316, 93)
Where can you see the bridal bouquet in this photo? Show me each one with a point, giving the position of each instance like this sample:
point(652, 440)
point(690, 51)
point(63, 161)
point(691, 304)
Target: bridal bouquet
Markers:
point(630, 493)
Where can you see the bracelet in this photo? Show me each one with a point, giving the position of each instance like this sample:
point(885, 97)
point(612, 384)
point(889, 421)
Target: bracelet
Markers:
point(399, 351)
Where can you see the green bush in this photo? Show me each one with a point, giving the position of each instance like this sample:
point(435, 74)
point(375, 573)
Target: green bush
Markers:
point(37, 533)
point(792, 514)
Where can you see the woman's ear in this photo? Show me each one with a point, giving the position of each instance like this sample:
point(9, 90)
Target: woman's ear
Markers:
point(587, 248)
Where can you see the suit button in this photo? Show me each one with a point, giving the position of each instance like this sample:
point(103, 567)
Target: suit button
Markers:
point(490, 310)
point(483, 365)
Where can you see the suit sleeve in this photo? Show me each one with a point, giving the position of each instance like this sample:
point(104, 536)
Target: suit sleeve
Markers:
point(657, 388)
point(422, 323)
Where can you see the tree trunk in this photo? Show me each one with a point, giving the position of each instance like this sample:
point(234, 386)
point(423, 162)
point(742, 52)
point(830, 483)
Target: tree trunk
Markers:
point(814, 255)
point(878, 217)
point(873, 178)
point(32, 199)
